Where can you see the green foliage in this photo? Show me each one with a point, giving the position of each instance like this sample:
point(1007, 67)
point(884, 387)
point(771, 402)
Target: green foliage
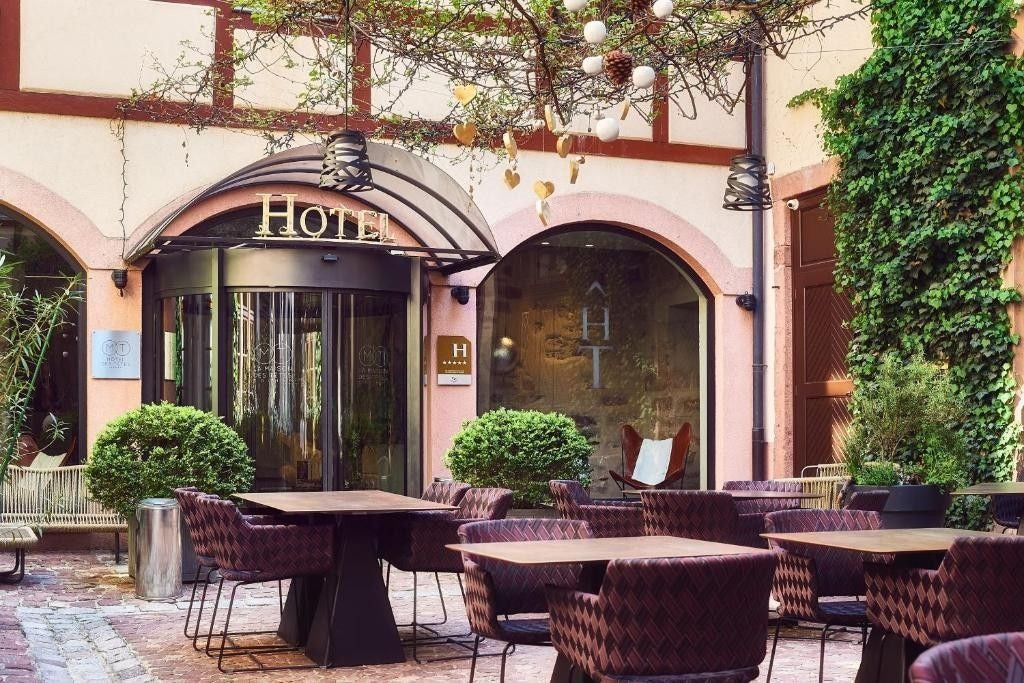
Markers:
point(520, 450)
point(152, 450)
point(906, 419)
point(927, 205)
point(28, 320)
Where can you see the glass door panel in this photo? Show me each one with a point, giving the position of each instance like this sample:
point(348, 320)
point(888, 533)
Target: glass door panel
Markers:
point(369, 402)
point(187, 324)
point(276, 386)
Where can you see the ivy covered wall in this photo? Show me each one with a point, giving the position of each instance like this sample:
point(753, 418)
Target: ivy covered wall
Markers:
point(930, 134)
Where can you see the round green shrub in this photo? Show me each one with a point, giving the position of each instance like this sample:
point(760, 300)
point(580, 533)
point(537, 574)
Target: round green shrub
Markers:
point(152, 450)
point(519, 450)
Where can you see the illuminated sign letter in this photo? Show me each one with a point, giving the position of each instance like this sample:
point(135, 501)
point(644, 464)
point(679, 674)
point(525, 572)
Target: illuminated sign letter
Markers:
point(587, 324)
point(288, 215)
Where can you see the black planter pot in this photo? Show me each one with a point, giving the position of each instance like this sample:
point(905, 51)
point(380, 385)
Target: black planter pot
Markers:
point(911, 507)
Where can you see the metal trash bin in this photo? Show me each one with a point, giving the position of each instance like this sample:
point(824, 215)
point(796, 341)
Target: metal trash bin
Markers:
point(158, 549)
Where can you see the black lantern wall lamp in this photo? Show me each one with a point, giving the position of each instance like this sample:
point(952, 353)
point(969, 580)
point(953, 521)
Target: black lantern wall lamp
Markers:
point(120, 278)
point(747, 188)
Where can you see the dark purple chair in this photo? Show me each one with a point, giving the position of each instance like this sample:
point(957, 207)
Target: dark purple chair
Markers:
point(748, 507)
point(975, 591)
point(248, 553)
point(496, 589)
point(704, 515)
point(668, 620)
point(607, 518)
point(417, 540)
point(1007, 511)
point(870, 501)
point(199, 534)
point(997, 657)
point(447, 492)
point(806, 574)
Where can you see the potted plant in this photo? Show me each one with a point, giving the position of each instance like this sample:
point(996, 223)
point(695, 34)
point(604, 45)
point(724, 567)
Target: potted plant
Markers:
point(152, 450)
point(521, 450)
point(904, 438)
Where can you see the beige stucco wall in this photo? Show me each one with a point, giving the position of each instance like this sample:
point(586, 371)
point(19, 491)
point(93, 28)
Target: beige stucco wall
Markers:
point(106, 47)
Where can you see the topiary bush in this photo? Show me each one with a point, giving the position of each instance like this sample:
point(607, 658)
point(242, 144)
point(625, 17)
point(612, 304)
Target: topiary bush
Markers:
point(521, 450)
point(152, 450)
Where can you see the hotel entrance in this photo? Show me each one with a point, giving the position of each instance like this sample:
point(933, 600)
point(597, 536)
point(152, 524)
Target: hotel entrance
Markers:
point(314, 375)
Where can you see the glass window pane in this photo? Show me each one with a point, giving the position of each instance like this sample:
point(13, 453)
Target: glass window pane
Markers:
point(600, 326)
point(188, 351)
point(276, 386)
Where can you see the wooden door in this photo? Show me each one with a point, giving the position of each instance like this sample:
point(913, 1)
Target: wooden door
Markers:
point(821, 382)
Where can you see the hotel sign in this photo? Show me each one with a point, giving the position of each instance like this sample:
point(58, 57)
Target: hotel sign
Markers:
point(321, 222)
point(115, 354)
point(454, 361)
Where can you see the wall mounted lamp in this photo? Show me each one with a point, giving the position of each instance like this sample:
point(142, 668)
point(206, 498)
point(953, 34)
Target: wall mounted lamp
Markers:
point(120, 278)
point(461, 294)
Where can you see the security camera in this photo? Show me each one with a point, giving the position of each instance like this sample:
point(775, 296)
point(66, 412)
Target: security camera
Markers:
point(793, 204)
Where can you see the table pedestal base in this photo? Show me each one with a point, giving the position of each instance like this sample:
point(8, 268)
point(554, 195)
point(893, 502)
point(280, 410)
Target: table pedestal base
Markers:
point(299, 608)
point(887, 657)
point(353, 623)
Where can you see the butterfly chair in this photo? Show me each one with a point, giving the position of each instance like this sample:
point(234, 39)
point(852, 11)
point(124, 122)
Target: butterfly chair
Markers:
point(632, 443)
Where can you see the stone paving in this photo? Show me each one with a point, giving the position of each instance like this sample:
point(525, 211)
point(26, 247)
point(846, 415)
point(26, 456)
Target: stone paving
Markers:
point(76, 618)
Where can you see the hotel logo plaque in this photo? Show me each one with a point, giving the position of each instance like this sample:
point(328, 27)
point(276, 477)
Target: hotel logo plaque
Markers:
point(115, 354)
point(454, 361)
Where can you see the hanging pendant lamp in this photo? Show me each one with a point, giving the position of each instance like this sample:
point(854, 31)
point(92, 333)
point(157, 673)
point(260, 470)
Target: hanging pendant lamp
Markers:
point(747, 188)
point(346, 163)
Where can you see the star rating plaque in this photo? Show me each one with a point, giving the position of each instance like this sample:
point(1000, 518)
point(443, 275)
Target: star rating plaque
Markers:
point(454, 361)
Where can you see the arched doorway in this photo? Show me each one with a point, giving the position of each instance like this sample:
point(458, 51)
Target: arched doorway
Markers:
point(56, 417)
point(605, 326)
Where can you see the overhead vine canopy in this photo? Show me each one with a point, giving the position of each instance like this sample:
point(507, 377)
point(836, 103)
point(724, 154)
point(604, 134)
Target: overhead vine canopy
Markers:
point(517, 55)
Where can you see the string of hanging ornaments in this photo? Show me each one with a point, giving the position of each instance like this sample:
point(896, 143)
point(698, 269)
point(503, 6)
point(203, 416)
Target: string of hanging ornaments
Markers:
point(618, 67)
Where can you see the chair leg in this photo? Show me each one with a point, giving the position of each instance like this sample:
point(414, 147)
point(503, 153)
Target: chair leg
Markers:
point(440, 594)
point(504, 658)
point(199, 614)
point(775, 642)
point(472, 664)
point(191, 602)
point(117, 547)
point(821, 657)
point(280, 596)
point(387, 578)
point(224, 633)
point(16, 573)
point(213, 619)
point(462, 589)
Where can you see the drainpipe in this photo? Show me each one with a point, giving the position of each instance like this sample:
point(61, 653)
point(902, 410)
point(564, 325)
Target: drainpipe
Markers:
point(755, 142)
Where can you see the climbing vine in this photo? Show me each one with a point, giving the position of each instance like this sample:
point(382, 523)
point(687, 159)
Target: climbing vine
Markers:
point(928, 202)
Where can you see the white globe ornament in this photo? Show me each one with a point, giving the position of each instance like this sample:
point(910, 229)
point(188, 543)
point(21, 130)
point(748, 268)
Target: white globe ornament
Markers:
point(607, 129)
point(662, 8)
point(594, 32)
point(574, 5)
point(643, 77)
point(593, 65)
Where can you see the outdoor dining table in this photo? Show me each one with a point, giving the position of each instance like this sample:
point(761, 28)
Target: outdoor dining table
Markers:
point(885, 657)
point(996, 488)
point(594, 554)
point(346, 621)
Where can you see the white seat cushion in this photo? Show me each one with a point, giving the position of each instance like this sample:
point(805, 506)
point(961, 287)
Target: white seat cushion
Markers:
point(652, 462)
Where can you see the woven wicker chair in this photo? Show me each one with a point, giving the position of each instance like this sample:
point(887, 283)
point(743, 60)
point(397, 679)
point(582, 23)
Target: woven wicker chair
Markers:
point(249, 553)
point(975, 591)
point(56, 500)
point(1007, 511)
point(607, 518)
point(704, 515)
point(806, 574)
point(668, 620)
point(982, 659)
point(631, 442)
point(749, 507)
point(497, 588)
point(416, 542)
point(448, 493)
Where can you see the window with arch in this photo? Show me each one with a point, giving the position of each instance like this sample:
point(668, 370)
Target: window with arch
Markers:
point(42, 266)
point(605, 326)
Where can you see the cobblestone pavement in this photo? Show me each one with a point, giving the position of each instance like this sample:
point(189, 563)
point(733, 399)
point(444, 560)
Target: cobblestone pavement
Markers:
point(76, 618)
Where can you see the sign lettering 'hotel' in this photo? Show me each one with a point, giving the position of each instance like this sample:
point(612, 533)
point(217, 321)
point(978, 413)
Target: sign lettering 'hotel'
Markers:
point(315, 222)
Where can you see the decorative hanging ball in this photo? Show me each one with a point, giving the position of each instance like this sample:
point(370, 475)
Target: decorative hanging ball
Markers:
point(593, 65)
point(662, 8)
point(574, 5)
point(617, 66)
point(643, 77)
point(594, 32)
point(607, 129)
point(538, 124)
